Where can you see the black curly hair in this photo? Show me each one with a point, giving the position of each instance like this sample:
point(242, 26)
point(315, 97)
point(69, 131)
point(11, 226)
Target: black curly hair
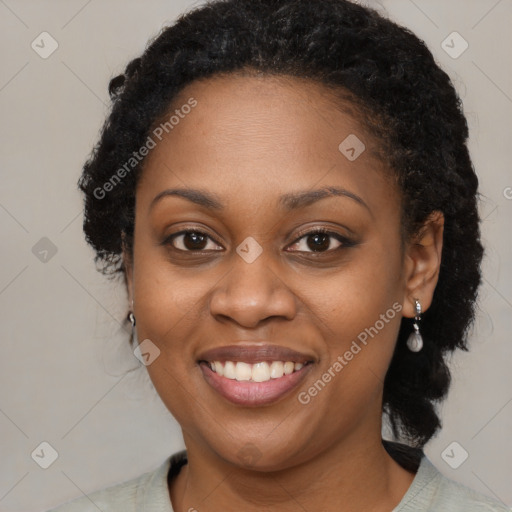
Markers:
point(402, 97)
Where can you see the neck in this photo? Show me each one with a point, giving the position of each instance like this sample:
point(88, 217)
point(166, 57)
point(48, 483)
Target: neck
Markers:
point(348, 476)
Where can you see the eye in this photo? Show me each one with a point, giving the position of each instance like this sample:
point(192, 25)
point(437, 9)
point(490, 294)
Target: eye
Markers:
point(321, 240)
point(317, 241)
point(191, 241)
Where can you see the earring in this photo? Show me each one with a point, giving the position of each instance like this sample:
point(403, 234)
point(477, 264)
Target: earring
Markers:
point(131, 316)
point(415, 341)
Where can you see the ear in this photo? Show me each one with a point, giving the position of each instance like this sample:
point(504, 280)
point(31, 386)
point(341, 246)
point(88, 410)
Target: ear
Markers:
point(422, 264)
point(128, 266)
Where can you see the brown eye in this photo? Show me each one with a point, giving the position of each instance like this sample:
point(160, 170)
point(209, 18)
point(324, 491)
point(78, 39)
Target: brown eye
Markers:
point(191, 241)
point(320, 241)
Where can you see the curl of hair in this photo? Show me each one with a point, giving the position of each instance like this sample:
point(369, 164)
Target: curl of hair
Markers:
point(403, 98)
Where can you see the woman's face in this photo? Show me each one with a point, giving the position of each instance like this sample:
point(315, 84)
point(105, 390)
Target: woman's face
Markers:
point(260, 169)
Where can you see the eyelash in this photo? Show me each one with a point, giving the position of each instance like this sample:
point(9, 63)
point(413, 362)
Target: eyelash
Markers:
point(345, 242)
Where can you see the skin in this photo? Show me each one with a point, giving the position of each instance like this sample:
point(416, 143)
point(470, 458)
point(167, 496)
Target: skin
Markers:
point(249, 140)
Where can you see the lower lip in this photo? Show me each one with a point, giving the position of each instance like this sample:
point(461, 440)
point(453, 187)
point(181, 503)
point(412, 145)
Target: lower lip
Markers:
point(250, 393)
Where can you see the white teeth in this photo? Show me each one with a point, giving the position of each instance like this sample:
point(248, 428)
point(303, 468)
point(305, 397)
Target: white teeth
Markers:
point(276, 369)
point(288, 367)
point(218, 368)
point(229, 370)
point(258, 372)
point(243, 371)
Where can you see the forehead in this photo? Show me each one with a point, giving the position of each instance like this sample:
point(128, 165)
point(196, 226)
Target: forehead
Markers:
point(261, 136)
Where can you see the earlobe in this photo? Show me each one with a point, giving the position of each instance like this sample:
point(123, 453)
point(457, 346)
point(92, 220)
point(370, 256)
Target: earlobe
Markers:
point(423, 263)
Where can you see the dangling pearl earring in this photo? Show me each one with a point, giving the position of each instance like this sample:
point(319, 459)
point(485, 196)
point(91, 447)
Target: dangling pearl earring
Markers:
point(131, 316)
point(415, 341)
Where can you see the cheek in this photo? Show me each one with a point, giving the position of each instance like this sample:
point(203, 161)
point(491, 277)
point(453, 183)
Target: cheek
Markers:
point(360, 309)
point(166, 303)
point(164, 297)
point(166, 309)
point(354, 297)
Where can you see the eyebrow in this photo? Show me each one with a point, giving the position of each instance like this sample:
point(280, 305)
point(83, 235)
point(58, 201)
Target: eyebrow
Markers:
point(290, 201)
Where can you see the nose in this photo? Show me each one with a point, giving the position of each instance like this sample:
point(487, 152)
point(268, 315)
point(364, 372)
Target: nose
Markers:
point(251, 293)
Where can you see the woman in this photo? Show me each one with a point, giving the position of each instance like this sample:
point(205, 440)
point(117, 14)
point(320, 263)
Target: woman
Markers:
point(286, 188)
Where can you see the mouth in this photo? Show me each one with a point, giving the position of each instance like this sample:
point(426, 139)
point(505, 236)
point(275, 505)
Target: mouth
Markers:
point(252, 375)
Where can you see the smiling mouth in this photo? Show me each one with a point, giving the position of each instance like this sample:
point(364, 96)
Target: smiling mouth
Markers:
point(254, 374)
point(257, 372)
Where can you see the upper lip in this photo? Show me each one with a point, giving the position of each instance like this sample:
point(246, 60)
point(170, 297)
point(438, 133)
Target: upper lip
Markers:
point(254, 353)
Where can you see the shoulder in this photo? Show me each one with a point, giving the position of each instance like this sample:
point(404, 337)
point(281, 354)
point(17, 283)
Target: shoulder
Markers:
point(431, 490)
point(131, 495)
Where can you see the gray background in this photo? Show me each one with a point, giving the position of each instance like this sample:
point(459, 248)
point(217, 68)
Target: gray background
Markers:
point(64, 357)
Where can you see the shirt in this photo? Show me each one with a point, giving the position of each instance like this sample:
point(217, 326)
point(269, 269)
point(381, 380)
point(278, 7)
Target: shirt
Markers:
point(429, 491)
